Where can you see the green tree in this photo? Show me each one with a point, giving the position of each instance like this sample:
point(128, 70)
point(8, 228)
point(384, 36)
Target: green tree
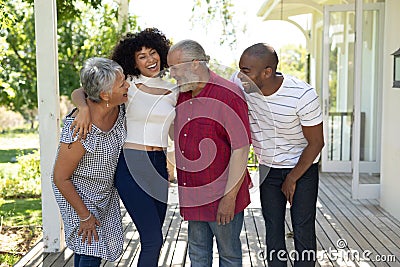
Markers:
point(293, 61)
point(93, 33)
point(5, 16)
point(206, 11)
point(18, 68)
point(70, 9)
point(85, 28)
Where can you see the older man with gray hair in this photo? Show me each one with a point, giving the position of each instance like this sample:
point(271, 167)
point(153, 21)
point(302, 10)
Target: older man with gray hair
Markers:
point(212, 140)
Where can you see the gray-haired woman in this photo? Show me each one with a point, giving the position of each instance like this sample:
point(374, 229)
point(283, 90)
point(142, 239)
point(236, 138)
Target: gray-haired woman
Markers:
point(83, 176)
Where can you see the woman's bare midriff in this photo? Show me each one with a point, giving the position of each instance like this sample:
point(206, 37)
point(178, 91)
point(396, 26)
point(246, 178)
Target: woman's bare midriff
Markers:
point(142, 147)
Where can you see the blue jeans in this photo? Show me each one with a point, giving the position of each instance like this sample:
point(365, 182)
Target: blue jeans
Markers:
point(200, 239)
point(81, 260)
point(138, 173)
point(302, 212)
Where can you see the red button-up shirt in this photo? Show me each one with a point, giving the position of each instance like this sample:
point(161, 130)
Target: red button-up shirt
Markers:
point(208, 127)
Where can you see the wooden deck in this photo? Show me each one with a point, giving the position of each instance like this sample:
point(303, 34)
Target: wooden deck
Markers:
point(349, 233)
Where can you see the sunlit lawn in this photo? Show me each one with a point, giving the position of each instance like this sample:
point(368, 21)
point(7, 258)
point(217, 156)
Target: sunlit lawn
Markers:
point(14, 144)
point(19, 212)
point(19, 140)
point(21, 221)
point(10, 155)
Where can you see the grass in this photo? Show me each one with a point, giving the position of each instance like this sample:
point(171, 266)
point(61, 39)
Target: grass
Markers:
point(20, 225)
point(19, 140)
point(21, 212)
point(20, 219)
point(10, 155)
point(15, 143)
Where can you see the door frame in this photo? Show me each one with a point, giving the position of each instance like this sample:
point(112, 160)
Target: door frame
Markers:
point(330, 165)
point(359, 190)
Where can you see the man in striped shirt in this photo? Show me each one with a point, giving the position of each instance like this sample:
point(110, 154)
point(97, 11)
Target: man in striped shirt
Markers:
point(286, 128)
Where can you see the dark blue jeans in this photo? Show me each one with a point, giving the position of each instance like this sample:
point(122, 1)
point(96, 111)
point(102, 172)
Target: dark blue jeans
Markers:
point(200, 239)
point(302, 212)
point(81, 260)
point(141, 181)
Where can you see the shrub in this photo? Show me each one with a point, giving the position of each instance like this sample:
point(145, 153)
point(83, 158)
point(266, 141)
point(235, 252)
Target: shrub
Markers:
point(26, 181)
point(30, 166)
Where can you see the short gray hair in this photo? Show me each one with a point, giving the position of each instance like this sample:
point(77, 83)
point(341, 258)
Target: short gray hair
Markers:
point(98, 75)
point(191, 50)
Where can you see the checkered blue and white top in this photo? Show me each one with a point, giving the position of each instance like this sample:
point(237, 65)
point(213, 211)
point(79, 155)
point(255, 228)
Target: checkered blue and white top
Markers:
point(94, 182)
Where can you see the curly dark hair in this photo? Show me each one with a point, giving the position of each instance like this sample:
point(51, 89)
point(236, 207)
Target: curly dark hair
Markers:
point(124, 51)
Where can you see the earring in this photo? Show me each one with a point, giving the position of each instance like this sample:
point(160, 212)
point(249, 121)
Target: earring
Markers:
point(107, 105)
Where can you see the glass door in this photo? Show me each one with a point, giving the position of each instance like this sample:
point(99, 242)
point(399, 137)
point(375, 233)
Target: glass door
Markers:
point(368, 91)
point(338, 87)
point(352, 93)
point(371, 88)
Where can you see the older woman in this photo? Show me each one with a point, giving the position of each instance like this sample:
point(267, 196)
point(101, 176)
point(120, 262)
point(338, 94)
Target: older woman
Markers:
point(141, 176)
point(83, 176)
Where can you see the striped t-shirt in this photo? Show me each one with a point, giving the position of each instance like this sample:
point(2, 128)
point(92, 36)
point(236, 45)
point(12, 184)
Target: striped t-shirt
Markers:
point(276, 122)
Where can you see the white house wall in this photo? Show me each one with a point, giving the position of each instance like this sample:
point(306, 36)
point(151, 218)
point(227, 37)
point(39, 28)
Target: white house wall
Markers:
point(390, 167)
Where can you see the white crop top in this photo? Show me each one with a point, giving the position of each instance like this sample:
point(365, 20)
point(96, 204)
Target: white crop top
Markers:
point(148, 116)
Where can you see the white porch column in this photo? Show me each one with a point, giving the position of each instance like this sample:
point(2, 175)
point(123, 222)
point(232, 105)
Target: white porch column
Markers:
point(123, 13)
point(49, 116)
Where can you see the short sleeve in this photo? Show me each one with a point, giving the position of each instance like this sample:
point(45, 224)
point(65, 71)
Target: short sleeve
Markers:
point(237, 125)
point(309, 109)
point(89, 143)
point(66, 132)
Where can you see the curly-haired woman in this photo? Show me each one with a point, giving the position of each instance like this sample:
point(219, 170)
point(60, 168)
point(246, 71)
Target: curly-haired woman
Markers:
point(141, 177)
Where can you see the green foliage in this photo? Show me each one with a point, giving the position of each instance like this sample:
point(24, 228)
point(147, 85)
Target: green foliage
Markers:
point(8, 259)
point(20, 217)
point(18, 68)
point(20, 221)
point(86, 28)
point(252, 162)
point(69, 9)
point(94, 33)
point(6, 19)
point(224, 71)
point(293, 61)
point(26, 182)
point(30, 167)
point(204, 12)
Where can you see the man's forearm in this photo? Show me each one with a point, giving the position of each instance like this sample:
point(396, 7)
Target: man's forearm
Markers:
point(237, 170)
point(78, 98)
point(305, 161)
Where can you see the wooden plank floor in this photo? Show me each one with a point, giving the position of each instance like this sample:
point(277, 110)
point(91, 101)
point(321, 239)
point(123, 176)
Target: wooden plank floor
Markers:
point(349, 233)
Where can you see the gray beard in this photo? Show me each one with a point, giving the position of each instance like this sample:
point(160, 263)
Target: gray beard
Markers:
point(187, 87)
